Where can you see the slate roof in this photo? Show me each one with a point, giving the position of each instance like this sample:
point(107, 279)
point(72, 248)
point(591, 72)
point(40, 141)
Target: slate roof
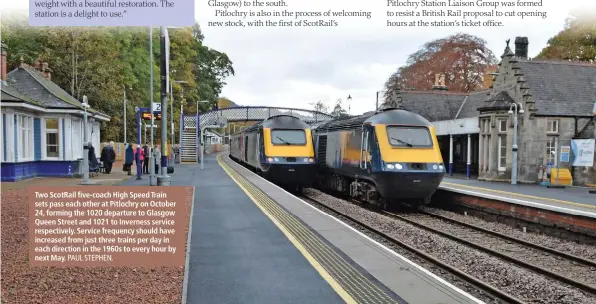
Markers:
point(440, 105)
point(9, 93)
point(28, 84)
point(500, 101)
point(559, 87)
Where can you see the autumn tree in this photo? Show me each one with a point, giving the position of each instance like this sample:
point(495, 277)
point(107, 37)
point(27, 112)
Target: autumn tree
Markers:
point(463, 58)
point(576, 42)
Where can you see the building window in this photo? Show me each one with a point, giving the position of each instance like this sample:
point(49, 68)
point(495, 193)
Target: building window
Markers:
point(502, 152)
point(26, 148)
point(502, 125)
point(552, 126)
point(52, 137)
point(551, 149)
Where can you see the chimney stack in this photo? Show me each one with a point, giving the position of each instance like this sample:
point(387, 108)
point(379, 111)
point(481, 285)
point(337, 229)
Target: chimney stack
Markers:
point(3, 67)
point(521, 47)
point(46, 71)
point(440, 82)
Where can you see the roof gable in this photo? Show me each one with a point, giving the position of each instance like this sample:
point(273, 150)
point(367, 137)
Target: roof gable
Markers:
point(32, 84)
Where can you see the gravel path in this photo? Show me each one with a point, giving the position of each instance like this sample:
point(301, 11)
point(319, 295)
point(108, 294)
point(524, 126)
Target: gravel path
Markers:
point(554, 263)
point(75, 285)
point(523, 284)
point(585, 251)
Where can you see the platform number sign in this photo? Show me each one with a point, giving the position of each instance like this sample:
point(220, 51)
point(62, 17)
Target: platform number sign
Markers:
point(156, 107)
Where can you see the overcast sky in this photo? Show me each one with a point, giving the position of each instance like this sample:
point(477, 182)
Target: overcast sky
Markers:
point(293, 67)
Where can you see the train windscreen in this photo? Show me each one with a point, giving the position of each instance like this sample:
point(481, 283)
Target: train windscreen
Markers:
point(288, 137)
point(406, 136)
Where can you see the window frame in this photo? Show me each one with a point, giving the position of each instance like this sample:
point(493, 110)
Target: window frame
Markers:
point(26, 142)
point(549, 123)
point(549, 148)
point(56, 131)
point(502, 159)
point(502, 122)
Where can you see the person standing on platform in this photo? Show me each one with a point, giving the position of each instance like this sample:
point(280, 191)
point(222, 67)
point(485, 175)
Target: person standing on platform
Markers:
point(146, 160)
point(157, 155)
point(129, 158)
point(111, 158)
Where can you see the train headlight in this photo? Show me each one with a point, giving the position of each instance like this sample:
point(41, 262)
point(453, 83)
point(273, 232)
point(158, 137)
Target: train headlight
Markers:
point(306, 160)
point(435, 167)
point(441, 167)
point(270, 159)
point(398, 166)
point(311, 160)
point(276, 159)
point(390, 166)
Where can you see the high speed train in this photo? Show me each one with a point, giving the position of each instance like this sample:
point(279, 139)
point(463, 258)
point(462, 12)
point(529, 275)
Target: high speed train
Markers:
point(280, 149)
point(384, 158)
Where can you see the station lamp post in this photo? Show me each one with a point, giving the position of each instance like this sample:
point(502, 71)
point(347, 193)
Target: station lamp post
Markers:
point(515, 109)
point(86, 181)
point(349, 104)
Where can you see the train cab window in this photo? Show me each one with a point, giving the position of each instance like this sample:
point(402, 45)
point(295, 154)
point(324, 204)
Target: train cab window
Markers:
point(405, 136)
point(288, 137)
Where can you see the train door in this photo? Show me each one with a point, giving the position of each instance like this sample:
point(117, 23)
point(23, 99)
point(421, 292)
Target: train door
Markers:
point(365, 148)
point(246, 148)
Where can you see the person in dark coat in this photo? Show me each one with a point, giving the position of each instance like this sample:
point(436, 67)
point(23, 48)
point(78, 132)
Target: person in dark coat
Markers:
point(93, 163)
point(108, 156)
point(129, 158)
point(146, 160)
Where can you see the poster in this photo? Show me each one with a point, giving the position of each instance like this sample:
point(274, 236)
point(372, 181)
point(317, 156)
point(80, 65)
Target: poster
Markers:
point(583, 152)
point(565, 154)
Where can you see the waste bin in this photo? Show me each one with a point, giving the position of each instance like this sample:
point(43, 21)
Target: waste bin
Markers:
point(79, 169)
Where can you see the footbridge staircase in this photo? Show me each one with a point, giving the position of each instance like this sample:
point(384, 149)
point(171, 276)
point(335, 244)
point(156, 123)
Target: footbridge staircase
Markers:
point(189, 135)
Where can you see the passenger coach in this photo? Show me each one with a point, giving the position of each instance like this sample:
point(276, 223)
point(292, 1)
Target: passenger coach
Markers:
point(280, 149)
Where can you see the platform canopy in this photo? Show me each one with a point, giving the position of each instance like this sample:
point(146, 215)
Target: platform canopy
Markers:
point(252, 114)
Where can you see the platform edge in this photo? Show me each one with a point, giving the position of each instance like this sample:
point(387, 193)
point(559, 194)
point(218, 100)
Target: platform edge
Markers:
point(418, 267)
point(522, 202)
point(187, 260)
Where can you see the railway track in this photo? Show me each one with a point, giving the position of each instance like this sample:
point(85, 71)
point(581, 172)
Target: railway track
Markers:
point(568, 270)
point(549, 262)
point(488, 288)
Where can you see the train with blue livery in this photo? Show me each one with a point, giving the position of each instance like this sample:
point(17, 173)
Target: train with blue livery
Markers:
point(385, 158)
point(280, 149)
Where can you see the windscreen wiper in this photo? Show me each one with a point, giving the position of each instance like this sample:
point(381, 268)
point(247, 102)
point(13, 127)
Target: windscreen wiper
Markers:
point(284, 141)
point(403, 142)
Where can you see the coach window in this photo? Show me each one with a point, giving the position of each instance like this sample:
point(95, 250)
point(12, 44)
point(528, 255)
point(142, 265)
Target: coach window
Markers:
point(288, 137)
point(409, 136)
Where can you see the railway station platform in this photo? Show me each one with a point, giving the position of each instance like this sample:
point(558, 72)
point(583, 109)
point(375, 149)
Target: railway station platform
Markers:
point(253, 242)
point(569, 200)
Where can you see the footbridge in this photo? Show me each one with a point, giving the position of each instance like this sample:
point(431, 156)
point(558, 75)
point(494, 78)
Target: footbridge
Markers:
point(189, 135)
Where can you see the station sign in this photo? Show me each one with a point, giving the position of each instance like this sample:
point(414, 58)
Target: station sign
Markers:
point(147, 116)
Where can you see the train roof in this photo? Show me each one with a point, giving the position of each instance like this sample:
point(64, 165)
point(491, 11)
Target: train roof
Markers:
point(279, 122)
point(387, 117)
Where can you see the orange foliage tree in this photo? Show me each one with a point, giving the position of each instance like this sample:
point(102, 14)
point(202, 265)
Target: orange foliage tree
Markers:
point(463, 58)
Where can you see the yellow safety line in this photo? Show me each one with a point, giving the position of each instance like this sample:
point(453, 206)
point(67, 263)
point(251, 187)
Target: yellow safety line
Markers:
point(332, 282)
point(351, 275)
point(523, 195)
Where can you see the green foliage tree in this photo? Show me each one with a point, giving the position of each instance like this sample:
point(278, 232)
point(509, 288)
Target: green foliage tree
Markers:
point(576, 42)
point(100, 62)
point(338, 110)
point(319, 106)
